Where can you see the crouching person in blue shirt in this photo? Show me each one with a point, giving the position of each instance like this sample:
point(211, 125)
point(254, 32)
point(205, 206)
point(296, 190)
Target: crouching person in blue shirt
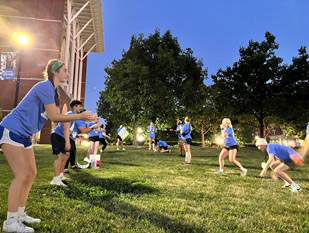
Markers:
point(162, 146)
point(16, 130)
point(281, 159)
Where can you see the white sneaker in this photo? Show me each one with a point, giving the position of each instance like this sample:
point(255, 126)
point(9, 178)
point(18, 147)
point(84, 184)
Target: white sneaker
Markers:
point(27, 219)
point(123, 149)
point(58, 182)
point(220, 171)
point(243, 172)
point(295, 188)
point(65, 178)
point(117, 148)
point(16, 226)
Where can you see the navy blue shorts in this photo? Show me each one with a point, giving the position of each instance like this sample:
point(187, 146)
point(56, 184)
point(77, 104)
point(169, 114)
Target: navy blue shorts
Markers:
point(232, 147)
point(14, 139)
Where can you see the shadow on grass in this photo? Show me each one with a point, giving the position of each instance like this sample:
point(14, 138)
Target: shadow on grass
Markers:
point(232, 166)
point(109, 202)
point(121, 163)
point(117, 185)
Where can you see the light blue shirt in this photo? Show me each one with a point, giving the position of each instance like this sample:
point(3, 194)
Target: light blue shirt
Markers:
point(186, 131)
point(307, 130)
point(59, 130)
point(230, 140)
point(152, 132)
point(280, 152)
point(29, 116)
point(92, 133)
point(162, 143)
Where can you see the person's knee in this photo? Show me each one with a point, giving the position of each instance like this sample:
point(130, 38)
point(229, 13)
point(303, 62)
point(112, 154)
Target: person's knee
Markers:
point(232, 160)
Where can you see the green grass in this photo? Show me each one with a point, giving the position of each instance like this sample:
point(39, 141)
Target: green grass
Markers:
point(141, 191)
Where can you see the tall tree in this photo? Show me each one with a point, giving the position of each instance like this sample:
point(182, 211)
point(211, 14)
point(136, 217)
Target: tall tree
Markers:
point(154, 79)
point(251, 84)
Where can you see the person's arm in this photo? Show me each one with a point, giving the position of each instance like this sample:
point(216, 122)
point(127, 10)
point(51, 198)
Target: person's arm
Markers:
point(66, 130)
point(53, 115)
point(271, 158)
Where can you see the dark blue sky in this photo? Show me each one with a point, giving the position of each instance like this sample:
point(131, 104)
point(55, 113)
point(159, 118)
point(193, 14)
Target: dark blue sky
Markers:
point(214, 29)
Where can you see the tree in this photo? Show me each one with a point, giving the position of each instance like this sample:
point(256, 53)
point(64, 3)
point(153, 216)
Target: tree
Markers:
point(154, 79)
point(294, 96)
point(251, 85)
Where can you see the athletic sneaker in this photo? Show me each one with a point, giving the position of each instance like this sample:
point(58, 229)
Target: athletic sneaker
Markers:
point(243, 172)
point(65, 178)
point(220, 171)
point(123, 149)
point(16, 226)
point(295, 188)
point(28, 219)
point(117, 148)
point(58, 182)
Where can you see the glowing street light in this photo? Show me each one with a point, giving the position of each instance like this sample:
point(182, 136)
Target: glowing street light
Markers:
point(21, 39)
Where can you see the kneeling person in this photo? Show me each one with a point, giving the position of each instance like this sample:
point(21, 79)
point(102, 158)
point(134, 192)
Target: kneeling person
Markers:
point(162, 146)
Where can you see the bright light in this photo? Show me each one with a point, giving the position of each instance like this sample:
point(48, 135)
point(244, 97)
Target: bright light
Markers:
point(140, 138)
point(218, 139)
point(21, 39)
point(140, 130)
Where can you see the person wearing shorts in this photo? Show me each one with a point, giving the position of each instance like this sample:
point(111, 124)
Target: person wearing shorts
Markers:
point(186, 138)
point(230, 147)
point(281, 159)
point(152, 136)
point(16, 130)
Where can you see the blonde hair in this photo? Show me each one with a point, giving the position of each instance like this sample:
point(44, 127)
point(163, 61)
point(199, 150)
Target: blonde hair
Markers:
point(187, 120)
point(227, 121)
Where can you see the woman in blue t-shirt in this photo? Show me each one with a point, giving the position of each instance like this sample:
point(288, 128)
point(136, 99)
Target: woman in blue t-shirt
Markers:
point(230, 147)
point(152, 136)
point(281, 159)
point(185, 135)
point(16, 130)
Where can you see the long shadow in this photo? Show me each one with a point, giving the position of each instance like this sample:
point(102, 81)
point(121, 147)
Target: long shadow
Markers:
point(121, 163)
point(117, 185)
point(110, 203)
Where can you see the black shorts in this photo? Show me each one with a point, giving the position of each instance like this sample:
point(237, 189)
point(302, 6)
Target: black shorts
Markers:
point(119, 137)
point(58, 145)
point(188, 141)
point(163, 147)
point(94, 138)
point(232, 147)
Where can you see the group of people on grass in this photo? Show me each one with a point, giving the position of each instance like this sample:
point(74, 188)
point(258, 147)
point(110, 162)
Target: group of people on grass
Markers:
point(40, 104)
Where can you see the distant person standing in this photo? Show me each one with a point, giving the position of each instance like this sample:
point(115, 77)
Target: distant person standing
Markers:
point(152, 136)
point(119, 142)
point(181, 150)
point(186, 138)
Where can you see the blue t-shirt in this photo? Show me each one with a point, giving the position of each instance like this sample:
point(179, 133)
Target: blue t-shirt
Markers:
point(29, 116)
point(152, 132)
point(230, 140)
point(280, 152)
point(75, 127)
point(101, 134)
point(186, 131)
point(94, 132)
point(118, 130)
point(307, 130)
point(59, 130)
point(162, 143)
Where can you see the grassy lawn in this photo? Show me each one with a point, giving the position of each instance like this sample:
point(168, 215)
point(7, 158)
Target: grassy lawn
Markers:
point(140, 191)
